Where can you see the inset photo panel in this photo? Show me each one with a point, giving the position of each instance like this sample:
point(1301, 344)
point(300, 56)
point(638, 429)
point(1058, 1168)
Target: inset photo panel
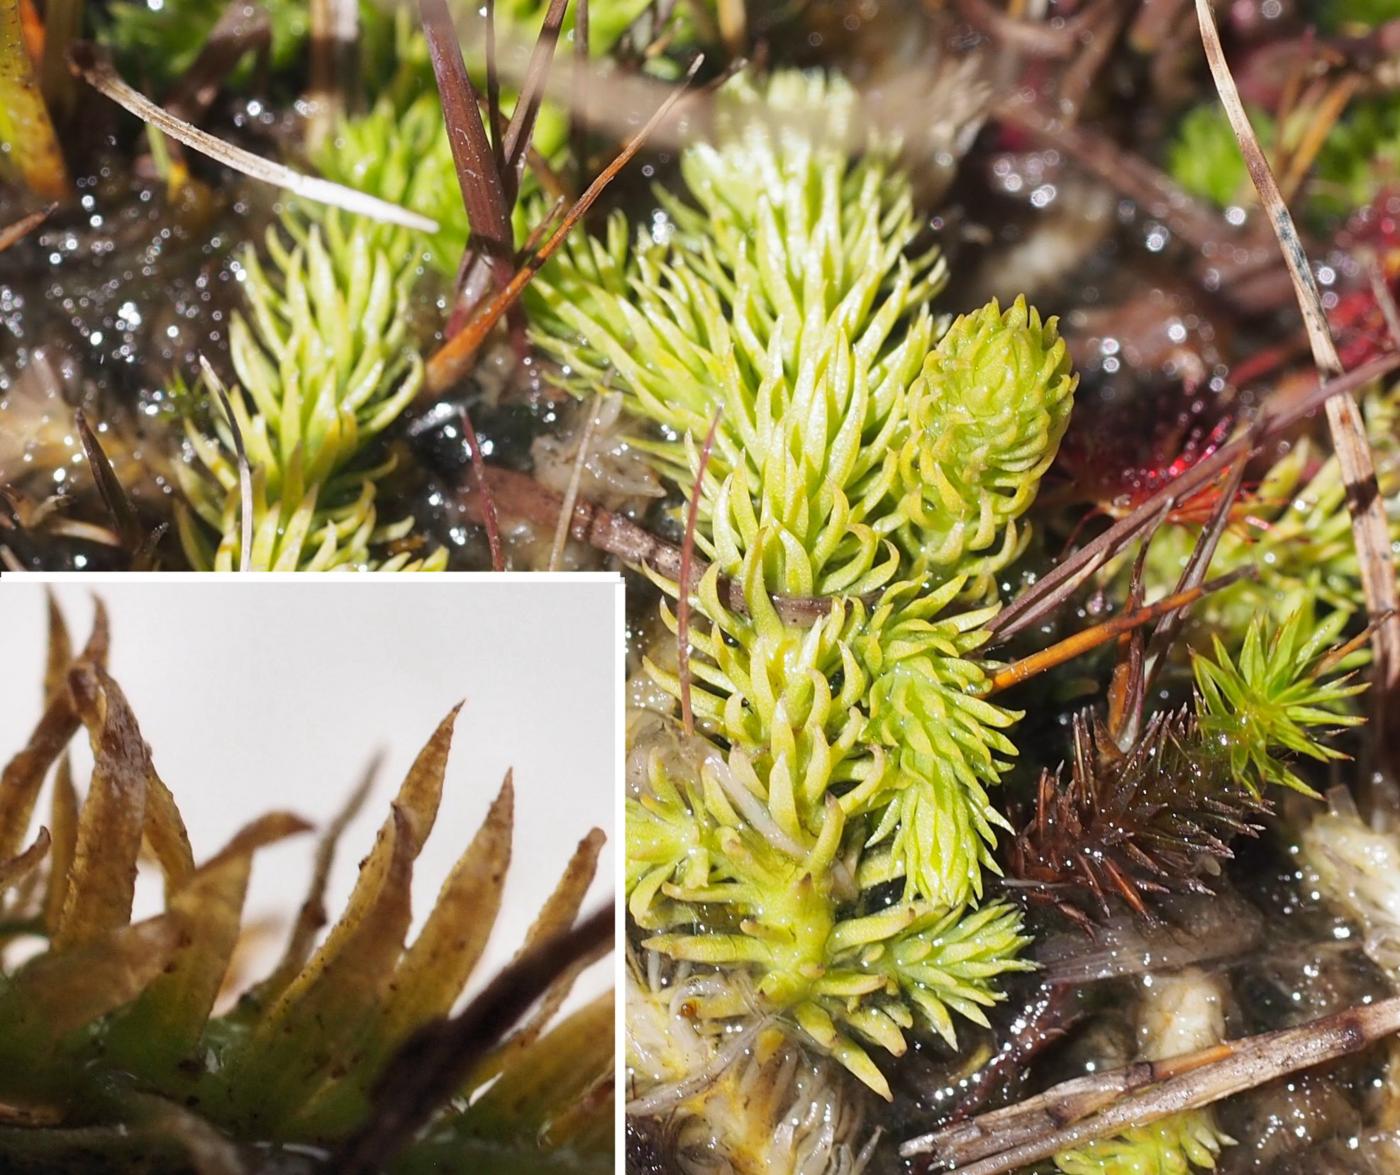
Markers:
point(309, 874)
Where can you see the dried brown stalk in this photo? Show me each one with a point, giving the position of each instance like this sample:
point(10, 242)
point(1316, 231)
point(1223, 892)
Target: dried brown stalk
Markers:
point(22, 227)
point(1082, 642)
point(240, 30)
point(566, 507)
point(483, 488)
point(481, 182)
point(457, 355)
point(1103, 1104)
point(1275, 420)
point(335, 34)
point(1369, 526)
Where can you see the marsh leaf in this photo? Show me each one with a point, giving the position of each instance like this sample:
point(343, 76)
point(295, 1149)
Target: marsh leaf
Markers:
point(17, 868)
point(433, 971)
point(165, 834)
point(164, 1025)
point(63, 822)
point(438, 964)
point(555, 918)
point(103, 878)
point(24, 774)
point(319, 1026)
point(312, 915)
point(318, 1029)
point(65, 988)
point(60, 652)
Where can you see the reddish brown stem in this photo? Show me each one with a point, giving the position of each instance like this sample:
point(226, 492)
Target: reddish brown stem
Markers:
point(483, 487)
point(518, 495)
point(455, 357)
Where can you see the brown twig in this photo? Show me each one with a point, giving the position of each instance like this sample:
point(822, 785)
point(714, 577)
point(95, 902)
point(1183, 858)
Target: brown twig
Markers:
point(1034, 38)
point(692, 516)
point(1369, 526)
point(566, 507)
point(1100, 634)
point(493, 87)
point(241, 29)
point(1380, 290)
point(454, 358)
point(335, 37)
point(527, 107)
point(1194, 573)
point(1086, 1108)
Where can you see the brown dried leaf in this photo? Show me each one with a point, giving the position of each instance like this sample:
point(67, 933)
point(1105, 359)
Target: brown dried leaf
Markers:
point(433, 1063)
point(66, 988)
point(319, 1027)
point(555, 918)
point(319, 1024)
point(103, 878)
point(165, 834)
point(24, 774)
point(168, 1020)
point(16, 869)
point(312, 915)
point(436, 967)
point(60, 653)
point(562, 907)
point(63, 820)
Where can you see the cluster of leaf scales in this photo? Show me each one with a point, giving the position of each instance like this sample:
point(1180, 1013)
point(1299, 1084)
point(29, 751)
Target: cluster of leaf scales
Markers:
point(108, 1038)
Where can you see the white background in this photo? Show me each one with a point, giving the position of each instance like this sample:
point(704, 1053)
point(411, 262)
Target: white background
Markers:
point(259, 694)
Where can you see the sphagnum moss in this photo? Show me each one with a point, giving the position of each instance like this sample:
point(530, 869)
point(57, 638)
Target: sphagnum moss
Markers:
point(111, 1057)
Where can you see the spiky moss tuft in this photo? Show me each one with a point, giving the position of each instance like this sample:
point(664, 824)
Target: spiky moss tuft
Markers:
point(1275, 698)
point(790, 293)
point(775, 1106)
point(326, 356)
point(325, 363)
point(108, 1041)
point(1357, 159)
